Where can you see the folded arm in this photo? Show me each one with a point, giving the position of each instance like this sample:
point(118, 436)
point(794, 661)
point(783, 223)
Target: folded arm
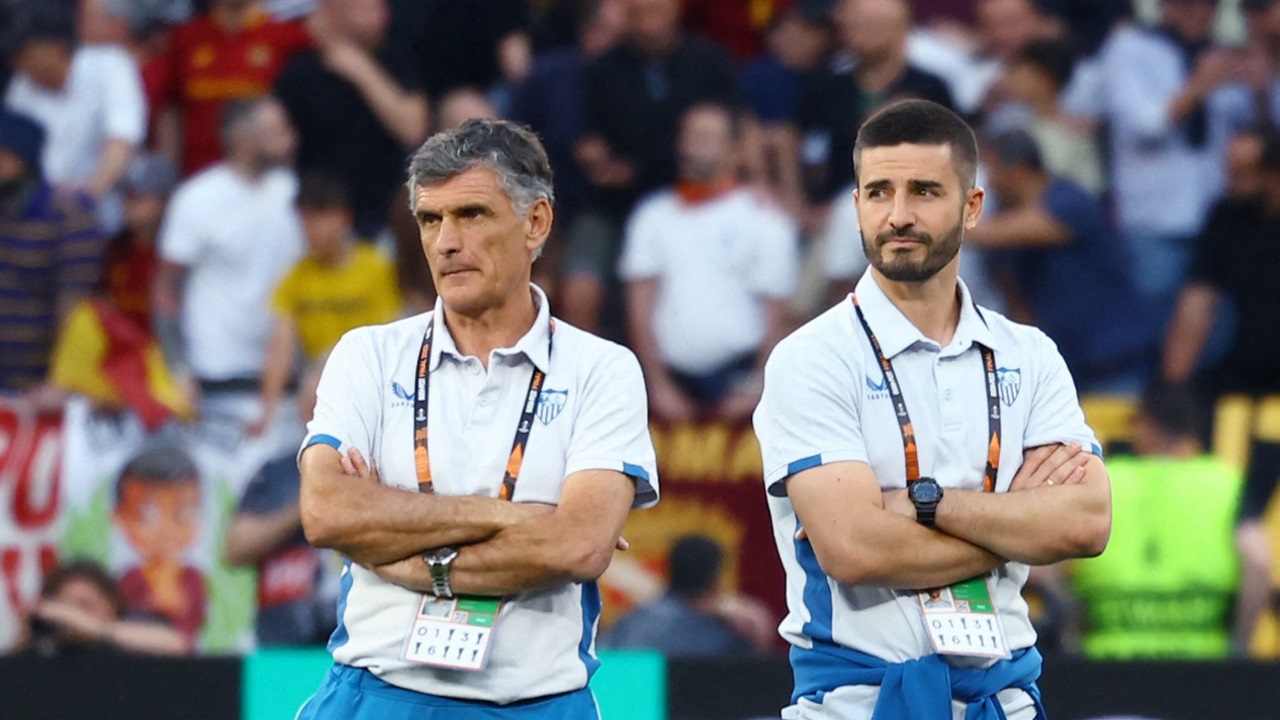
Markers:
point(858, 541)
point(1039, 526)
point(372, 523)
point(572, 544)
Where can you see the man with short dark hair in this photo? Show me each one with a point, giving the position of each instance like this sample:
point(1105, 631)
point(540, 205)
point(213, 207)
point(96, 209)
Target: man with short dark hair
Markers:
point(229, 235)
point(913, 441)
point(473, 549)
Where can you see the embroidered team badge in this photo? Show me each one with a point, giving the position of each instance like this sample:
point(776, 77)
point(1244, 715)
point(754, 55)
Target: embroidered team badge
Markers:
point(550, 403)
point(1010, 382)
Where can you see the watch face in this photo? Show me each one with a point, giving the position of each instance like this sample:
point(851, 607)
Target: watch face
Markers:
point(925, 492)
point(440, 554)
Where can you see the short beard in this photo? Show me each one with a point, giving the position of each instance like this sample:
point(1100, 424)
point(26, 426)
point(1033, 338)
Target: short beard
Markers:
point(902, 269)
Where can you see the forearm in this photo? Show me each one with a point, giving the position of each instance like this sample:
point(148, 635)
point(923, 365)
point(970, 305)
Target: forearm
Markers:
point(1039, 526)
point(1188, 333)
point(403, 114)
point(149, 638)
point(252, 536)
point(376, 524)
point(112, 164)
point(281, 351)
point(641, 298)
point(533, 555)
point(904, 555)
point(166, 304)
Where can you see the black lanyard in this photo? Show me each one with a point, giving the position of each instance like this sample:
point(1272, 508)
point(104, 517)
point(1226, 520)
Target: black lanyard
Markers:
point(421, 412)
point(904, 419)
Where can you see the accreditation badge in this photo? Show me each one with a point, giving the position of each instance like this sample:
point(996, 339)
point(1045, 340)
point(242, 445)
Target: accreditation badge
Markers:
point(961, 619)
point(453, 633)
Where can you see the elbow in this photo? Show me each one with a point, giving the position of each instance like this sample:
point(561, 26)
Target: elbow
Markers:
point(585, 562)
point(1089, 538)
point(319, 527)
point(850, 568)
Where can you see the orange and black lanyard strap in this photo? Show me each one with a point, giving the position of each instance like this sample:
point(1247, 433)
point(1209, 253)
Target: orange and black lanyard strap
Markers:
point(420, 414)
point(904, 418)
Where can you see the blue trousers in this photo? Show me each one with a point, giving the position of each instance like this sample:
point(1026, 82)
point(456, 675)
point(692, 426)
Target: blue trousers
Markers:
point(349, 693)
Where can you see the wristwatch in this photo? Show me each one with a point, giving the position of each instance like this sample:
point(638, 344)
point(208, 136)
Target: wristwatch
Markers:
point(439, 560)
point(925, 494)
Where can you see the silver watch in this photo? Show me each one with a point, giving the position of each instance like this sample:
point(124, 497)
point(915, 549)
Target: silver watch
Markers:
point(439, 560)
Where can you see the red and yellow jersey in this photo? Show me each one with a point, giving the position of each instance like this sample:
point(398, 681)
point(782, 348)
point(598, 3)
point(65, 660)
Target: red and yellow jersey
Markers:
point(206, 66)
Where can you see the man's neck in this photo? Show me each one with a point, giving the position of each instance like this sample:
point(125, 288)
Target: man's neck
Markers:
point(932, 306)
point(493, 328)
point(876, 75)
point(247, 169)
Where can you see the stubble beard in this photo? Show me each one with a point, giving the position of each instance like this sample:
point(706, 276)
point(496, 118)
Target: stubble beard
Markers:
point(900, 267)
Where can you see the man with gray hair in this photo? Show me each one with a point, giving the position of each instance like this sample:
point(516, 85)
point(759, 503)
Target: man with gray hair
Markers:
point(469, 589)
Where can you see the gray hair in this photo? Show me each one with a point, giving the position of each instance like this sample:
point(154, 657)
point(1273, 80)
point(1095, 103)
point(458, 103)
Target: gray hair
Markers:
point(510, 149)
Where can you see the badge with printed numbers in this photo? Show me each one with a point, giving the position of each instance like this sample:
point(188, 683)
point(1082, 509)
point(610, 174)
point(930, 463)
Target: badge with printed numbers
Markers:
point(962, 620)
point(453, 633)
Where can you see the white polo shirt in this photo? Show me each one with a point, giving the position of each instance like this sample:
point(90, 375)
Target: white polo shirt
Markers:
point(715, 262)
point(826, 400)
point(593, 416)
point(237, 239)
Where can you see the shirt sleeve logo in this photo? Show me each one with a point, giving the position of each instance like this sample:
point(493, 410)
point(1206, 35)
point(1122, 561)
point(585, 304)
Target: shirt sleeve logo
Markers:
point(550, 403)
point(1010, 382)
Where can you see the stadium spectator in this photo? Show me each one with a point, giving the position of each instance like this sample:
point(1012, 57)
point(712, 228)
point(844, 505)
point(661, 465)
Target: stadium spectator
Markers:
point(230, 234)
point(340, 285)
point(873, 425)
point(1237, 261)
point(462, 104)
point(1165, 587)
point(972, 60)
point(800, 42)
point(694, 618)
point(1033, 85)
point(266, 533)
point(483, 44)
point(473, 509)
point(106, 351)
point(157, 509)
point(708, 266)
point(1155, 83)
point(357, 104)
point(635, 95)
point(834, 103)
point(551, 102)
point(738, 26)
point(1067, 263)
point(234, 51)
point(89, 100)
point(50, 259)
point(81, 610)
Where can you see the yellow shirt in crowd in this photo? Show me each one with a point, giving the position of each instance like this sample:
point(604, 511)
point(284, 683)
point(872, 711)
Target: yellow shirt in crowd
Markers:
point(326, 301)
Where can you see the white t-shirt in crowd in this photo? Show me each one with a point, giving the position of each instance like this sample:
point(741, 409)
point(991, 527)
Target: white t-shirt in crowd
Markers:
point(593, 416)
point(826, 400)
point(237, 239)
point(715, 261)
point(103, 100)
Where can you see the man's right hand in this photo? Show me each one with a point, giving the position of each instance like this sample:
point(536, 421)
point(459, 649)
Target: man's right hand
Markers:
point(1050, 465)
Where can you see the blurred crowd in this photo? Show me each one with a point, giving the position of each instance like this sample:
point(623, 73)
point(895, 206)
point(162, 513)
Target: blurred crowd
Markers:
point(199, 197)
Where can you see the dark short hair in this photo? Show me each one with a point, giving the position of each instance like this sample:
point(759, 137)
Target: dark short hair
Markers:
point(694, 565)
point(89, 571)
point(164, 464)
point(921, 122)
point(1055, 57)
point(1174, 409)
point(321, 190)
point(1017, 148)
point(510, 149)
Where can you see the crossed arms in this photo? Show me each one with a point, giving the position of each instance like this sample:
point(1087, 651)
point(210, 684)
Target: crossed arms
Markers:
point(505, 548)
point(1058, 507)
